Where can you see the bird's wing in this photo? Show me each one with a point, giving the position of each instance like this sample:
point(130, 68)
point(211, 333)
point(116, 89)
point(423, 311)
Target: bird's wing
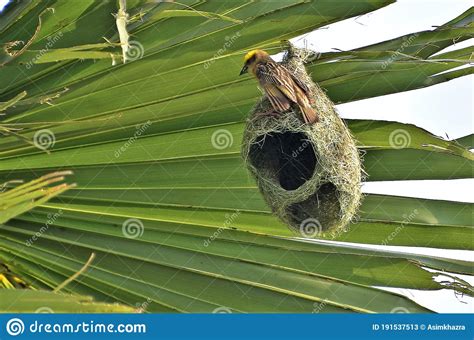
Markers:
point(299, 83)
point(278, 100)
point(282, 87)
point(271, 73)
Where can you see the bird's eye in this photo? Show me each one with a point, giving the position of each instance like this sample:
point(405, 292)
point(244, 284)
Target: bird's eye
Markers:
point(252, 59)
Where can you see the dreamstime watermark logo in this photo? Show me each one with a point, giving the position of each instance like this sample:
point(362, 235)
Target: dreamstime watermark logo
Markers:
point(222, 139)
point(140, 130)
point(135, 51)
point(229, 41)
point(407, 42)
point(319, 306)
point(313, 56)
point(229, 219)
point(44, 139)
point(309, 52)
point(51, 41)
point(222, 310)
point(399, 139)
point(141, 307)
point(300, 148)
point(132, 228)
point(399, 310)
point(310, 228)
point(44, 310)
point(406, 219)
point(15, 327)
point(52, 218)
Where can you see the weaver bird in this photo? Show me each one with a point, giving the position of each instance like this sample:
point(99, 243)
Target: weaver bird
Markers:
point(281, 87)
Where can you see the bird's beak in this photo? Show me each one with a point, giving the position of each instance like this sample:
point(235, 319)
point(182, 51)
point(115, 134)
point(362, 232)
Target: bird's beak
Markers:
point(243, 70)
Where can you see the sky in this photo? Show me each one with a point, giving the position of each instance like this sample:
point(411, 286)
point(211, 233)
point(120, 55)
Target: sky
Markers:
point(445, 109)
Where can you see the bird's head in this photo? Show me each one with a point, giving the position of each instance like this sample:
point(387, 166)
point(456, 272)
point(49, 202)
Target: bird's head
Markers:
point(252, 58)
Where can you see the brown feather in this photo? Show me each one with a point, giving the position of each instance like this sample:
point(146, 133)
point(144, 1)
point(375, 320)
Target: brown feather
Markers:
point(278, 100)
point(283, 88)
point(309, 114)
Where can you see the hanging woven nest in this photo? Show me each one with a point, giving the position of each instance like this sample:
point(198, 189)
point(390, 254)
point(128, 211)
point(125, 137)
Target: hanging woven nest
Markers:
point(310, 175)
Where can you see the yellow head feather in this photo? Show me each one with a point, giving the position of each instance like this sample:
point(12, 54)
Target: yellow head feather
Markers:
point(250, 55)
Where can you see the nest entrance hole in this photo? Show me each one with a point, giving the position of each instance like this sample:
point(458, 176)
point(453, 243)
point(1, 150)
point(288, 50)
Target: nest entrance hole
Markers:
point(286, 157)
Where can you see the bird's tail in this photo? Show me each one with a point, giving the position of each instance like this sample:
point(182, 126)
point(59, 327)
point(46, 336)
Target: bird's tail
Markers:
point(309, 114)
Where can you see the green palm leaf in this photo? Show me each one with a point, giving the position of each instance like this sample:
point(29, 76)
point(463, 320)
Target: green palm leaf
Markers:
point(31, 301)
point(179, 224)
